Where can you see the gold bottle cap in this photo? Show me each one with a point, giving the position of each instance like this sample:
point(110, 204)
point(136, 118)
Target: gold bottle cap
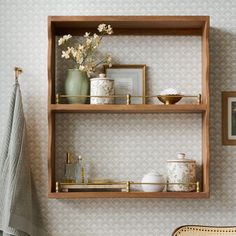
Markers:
point(69, 159)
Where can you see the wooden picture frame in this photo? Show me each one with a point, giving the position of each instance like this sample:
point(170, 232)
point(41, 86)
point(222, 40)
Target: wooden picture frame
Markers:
point(229, 118)
point(128, 79)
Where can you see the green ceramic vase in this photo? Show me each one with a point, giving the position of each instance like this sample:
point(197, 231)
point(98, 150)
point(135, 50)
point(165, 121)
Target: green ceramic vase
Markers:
point(76, 83)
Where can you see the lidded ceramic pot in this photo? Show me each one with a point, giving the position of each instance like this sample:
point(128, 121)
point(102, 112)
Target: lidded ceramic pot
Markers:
point(101, 86)
point(153, 177)
point(181, 170)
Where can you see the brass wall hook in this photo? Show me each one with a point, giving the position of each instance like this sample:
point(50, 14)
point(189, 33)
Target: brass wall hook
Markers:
point(18, 71)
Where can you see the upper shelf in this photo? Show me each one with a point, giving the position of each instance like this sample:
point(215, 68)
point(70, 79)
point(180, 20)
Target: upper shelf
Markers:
point(144, 108)
point(131, 25)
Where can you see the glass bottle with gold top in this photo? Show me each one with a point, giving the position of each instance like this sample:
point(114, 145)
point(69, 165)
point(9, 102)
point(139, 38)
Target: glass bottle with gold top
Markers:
point(69, 168)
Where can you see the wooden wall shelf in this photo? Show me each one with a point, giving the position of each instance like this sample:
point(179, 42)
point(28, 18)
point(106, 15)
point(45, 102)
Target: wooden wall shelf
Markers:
point(75, 195)
point(146, 108)
point(129, 25)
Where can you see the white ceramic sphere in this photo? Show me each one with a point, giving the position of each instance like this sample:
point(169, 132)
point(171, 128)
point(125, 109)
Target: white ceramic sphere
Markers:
point(153, 177)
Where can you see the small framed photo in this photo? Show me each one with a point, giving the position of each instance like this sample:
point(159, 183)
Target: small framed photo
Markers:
point(128, 79)
point(229, 118)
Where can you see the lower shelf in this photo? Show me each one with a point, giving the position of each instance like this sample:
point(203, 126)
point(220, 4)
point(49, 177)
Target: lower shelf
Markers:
point(74, 195)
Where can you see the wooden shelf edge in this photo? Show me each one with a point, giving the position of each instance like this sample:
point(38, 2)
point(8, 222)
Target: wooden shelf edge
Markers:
point(134, 18)
point(78, 195)
point(142, 108)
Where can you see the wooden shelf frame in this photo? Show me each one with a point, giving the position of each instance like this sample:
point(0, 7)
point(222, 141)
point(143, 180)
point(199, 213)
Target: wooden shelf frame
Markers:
point(130, 25)
point(75, 195)
point(145, 108)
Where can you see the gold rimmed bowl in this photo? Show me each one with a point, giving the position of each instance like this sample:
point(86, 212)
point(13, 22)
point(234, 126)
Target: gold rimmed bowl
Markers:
point(169, 99)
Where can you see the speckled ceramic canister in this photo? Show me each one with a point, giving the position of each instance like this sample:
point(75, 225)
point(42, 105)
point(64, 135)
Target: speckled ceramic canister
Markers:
point(181, 170)
point(101, 86)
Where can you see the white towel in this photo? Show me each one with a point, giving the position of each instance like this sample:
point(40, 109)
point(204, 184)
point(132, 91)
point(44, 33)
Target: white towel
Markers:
point(18, 207)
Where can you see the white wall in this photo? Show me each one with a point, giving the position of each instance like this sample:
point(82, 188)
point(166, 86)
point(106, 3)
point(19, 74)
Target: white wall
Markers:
point(23, 41)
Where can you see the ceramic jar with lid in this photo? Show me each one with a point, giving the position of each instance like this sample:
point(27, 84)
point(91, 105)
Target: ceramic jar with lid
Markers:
point(153, 177)
point(101, 86)
point(181, 170)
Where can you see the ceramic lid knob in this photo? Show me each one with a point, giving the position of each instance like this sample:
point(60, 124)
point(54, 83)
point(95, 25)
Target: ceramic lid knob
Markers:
point(181, 155)
point(102, 76)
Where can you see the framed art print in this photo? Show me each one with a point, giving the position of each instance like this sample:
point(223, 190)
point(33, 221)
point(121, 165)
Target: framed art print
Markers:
point(229, 118)
point(128, 79)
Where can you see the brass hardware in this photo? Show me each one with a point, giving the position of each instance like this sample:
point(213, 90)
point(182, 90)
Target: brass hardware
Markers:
point(128, 99)
point(128, 186)
point(199, 98)
point(57, 187)
point(94, 96)
point(129, 96)
point(169, 99)
point(164, 183)
point(123, 186)
point(66, 187)
point(57, 98)
point(18, 71)
point(197, 187)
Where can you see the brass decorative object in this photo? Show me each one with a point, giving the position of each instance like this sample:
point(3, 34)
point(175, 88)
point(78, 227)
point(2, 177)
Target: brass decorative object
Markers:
point(170, 99)
point(92, 187)
point(110, 186)
point(18, 71)
point(57, 98)
point(197, 187)
point(199, 98)
point(57, 187)
point(166, 99)
point(128, 99)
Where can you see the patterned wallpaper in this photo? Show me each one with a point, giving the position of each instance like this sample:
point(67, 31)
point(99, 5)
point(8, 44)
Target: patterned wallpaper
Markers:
point(23, 29)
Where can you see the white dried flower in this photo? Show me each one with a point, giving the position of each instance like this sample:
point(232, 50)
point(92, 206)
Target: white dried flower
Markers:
point(81, 68)
point(109, 30)
point(69, 49)
point(84, 53)
point(102, 27)
point(64, 39)
point(81, 47)
point(65, 54)
point(60, 41)
point(73, 52)
point(88, 41)
point(86, 35)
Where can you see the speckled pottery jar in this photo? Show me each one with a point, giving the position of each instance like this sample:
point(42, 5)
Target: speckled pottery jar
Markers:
point(181, 170)
point(101, 86)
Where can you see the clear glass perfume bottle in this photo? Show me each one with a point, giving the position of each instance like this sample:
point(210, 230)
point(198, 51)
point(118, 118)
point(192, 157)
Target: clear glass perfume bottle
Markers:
point(85, 170)
point(69, 169)
point(78, 170)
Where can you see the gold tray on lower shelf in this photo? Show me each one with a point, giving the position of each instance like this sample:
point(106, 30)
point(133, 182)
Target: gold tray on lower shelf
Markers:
point(109, 186)
point(104, 187)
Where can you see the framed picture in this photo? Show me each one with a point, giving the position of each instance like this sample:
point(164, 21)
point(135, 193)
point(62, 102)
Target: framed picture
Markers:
point(128, 79)
point(229, 118)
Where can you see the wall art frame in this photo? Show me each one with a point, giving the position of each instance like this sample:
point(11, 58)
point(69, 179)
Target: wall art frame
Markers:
point(229, 118)
point(128, 79)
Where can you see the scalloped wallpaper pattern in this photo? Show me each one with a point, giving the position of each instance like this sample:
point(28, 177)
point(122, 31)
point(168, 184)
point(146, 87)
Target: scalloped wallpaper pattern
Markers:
point(23, 30)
